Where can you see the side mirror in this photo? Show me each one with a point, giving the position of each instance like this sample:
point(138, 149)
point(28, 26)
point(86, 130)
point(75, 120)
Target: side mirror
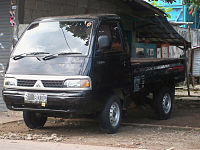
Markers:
point(104, 42)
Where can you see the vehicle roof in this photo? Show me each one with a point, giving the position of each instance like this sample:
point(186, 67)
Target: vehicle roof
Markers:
point(86, 16)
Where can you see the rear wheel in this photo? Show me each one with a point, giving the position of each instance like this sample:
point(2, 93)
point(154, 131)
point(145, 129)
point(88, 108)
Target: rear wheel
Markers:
point(34, 120)
point(111, 115)
point(163, 102)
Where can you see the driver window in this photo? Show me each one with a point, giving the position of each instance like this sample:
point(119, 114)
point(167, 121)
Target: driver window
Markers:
point(104, 29)
point(116, 39)
point(112, 31)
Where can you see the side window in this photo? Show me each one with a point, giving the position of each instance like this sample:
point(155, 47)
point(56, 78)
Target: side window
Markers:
point(116, 38)
point(112, 31)
point(104, 29)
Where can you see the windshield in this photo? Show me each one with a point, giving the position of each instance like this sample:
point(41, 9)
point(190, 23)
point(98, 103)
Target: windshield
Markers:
point(56, 37)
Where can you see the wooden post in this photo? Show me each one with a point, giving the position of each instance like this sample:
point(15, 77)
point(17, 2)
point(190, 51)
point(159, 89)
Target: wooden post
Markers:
point(189, 63)
point(189, 54)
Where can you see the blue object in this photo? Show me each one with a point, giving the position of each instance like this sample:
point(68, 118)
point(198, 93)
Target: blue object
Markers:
point(149, 50)
point(180, 13)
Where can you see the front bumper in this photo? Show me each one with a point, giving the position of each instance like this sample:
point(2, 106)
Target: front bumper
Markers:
point(84, 102)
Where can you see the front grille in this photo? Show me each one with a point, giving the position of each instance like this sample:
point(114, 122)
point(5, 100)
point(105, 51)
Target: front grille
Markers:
point(26, 83)
point(52, 84)
point(46, 83)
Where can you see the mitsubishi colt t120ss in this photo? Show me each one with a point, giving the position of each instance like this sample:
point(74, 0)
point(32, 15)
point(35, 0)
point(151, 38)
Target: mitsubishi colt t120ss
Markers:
point(80, 65)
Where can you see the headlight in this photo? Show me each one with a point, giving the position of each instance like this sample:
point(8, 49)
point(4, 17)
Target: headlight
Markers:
point(81, 83)
point(10, 82)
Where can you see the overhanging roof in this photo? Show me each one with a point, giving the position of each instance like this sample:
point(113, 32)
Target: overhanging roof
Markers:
point(151, 23)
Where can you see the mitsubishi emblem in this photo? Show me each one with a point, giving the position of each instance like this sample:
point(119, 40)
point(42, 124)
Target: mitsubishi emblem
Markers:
point(38, 84)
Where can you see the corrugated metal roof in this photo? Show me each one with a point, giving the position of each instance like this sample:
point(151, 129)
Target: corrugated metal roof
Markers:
point(5, 35)
point(196, 63)
point(151, 23)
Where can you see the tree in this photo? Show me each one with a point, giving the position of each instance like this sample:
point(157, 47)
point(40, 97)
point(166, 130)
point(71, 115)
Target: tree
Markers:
point(168, 1)
point(194, 6)
point(166, 10)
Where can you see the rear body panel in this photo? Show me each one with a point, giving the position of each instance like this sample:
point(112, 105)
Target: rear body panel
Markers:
point(149, 75)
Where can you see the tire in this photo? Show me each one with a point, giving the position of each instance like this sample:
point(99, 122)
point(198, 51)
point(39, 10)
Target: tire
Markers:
point(163, 102)
point(111, 115)
point(34, 120)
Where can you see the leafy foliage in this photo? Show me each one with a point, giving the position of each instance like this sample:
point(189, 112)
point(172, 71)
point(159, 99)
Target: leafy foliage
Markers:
point(194, 6)
point(168, 1)
point(166, 10)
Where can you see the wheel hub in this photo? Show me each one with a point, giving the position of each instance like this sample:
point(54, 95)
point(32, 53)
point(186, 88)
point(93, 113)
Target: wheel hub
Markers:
point(114, 114)
point(166, 103)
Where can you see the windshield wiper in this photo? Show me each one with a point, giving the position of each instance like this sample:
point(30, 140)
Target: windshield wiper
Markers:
point(59, 54)
point(16, 57)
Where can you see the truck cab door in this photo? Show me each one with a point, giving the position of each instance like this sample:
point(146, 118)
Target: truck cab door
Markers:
point(112, 62)
point(119, 59)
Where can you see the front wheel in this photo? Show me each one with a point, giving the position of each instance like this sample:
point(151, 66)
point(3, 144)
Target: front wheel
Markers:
point(34, 120)
point(163, 102)
point(111, 115)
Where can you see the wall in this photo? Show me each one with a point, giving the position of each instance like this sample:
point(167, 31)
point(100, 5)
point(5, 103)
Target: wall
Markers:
point(5, 38)
point(39, 8)
point(21, 29)
point(175, 52)
point(195, 35)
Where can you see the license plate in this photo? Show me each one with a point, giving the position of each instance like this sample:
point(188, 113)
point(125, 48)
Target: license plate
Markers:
point(37, 98)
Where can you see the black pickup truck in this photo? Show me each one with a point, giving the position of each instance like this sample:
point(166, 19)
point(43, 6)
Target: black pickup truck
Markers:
point(79, 65)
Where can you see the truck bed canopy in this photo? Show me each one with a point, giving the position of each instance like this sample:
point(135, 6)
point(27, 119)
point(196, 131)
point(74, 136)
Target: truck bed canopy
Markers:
point(151, 24)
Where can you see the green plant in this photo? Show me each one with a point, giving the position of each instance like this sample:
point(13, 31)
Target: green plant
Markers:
point(166, 10)
point(194, 6)
point(167, 1)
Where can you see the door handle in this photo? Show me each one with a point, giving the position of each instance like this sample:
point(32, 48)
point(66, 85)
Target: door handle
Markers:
point(100, 62)
point(124, 63)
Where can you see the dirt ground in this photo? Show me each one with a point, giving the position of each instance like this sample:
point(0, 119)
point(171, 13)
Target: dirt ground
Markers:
point(181, 132)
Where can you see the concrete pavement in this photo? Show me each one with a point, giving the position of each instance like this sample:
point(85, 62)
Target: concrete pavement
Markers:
point(30, 145)
point(2, 104)
point(10, 116)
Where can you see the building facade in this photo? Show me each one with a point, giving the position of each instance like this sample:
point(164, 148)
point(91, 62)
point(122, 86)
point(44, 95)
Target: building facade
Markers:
point(6, 17)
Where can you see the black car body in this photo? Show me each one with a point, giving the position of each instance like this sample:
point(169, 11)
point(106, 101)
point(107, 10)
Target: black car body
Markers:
point(76, 65)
